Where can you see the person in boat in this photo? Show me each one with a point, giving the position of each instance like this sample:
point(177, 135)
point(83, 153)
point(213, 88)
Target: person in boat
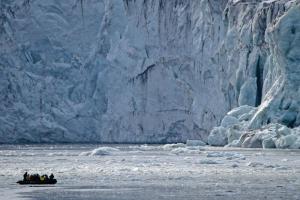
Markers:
point(25, 176)
point(51, 176)
point(31, 177)
point(34, 177)
point(37, 179)
point(44, 178)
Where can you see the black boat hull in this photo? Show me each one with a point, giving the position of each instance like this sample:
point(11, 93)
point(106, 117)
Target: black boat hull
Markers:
point(48, 182)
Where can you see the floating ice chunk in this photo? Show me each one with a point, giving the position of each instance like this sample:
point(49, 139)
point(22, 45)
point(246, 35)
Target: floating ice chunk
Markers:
point(271, 166)
point(101, 151)
point(209, 162)
point(135, 169)
point(218, 137)
point(87, 153)
point(180, 150)
point(255, 164)
point(146, 147)
point(230, 155)
point(195, 143)
point(60, 154)
point(280, 168)
point(234, 165)
point(169, 147)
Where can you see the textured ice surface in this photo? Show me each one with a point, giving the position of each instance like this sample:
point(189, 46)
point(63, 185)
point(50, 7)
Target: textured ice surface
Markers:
point(146, 71)
point(108, 71)
point(151, 174)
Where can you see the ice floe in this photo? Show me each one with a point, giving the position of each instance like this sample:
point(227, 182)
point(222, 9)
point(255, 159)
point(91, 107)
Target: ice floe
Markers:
point(227, 155)
point(209, 162)
point(168, 147)
point(101, 151)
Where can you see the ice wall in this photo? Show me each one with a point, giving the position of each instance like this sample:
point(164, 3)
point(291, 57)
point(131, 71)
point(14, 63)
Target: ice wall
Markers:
point(274, 61)
point(143, 71)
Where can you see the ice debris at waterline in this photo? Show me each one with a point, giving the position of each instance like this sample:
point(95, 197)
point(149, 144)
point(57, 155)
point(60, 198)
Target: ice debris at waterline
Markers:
point(176, 148)
point(271, 119)
point(150, 72)
point(235, 132)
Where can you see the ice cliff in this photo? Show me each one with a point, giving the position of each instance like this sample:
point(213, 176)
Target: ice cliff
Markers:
point(269, 68)
point(149, 71)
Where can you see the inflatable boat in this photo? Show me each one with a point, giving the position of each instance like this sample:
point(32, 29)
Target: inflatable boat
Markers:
point(35, 182)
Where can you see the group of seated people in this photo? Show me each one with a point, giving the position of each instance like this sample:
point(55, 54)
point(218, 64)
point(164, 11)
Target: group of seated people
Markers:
point(37, 177)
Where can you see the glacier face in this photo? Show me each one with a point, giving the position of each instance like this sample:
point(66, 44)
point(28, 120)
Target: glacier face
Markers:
point(144, 71)
point(275, 120)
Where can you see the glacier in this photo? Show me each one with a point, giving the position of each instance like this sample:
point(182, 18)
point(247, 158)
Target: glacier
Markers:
point(150, 71)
